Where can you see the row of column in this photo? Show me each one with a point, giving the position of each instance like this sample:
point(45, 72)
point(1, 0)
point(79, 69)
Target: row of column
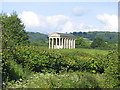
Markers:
point(62, 43)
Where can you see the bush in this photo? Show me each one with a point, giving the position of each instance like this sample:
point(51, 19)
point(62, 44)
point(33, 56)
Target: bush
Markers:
point(44, 60)
point(15, 71)
point(98, 43)
point(113, 71)
point(80, 43)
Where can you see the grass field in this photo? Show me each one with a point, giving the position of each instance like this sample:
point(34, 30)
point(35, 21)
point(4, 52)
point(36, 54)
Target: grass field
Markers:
point(84, 50)
point(89, 51)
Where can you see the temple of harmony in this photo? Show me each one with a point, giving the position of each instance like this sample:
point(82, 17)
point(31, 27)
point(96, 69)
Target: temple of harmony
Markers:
point(61, 41)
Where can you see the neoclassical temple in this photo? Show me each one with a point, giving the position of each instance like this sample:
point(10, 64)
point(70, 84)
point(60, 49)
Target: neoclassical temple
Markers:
point(61, 41)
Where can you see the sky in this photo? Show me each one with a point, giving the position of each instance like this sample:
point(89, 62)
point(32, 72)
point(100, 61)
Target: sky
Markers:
point(48, 17)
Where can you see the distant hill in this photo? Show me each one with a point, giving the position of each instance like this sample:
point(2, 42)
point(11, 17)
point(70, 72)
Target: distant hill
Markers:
point(89, 36)
point(37, 37)
point(106, 36)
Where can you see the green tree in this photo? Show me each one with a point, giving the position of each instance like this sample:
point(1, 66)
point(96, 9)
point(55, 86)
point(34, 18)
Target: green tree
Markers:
point(80, 43)
point(98, 43)
point(111, 45)
point(13, 34)
point(13, 30)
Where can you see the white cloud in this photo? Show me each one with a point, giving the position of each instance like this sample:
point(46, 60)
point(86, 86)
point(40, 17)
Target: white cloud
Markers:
point(110, 22)
point(67, 27)
point(57, 20)
point(73, 26)
point(61, 23)
point(43, 23)
point(78, 11)
point(30, 19)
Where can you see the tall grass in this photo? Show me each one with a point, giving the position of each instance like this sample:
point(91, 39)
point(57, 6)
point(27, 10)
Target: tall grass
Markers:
point(64, 80)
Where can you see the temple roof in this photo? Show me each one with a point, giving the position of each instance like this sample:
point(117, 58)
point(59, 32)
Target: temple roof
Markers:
point(61, 35)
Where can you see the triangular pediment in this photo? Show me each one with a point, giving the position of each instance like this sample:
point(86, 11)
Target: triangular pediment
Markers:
point(54, 35)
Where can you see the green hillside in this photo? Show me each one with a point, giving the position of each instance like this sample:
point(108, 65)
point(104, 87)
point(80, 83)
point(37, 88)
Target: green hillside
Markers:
point(106, 36)
point(37, 37)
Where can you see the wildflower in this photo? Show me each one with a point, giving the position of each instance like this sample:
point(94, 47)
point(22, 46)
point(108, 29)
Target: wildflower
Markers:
point(20, 79)
point(80, 57)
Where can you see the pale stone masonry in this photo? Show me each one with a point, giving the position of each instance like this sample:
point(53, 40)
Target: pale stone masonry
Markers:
point(61, 41)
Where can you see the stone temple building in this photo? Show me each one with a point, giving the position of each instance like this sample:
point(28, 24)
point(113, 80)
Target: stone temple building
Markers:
point(61, 41)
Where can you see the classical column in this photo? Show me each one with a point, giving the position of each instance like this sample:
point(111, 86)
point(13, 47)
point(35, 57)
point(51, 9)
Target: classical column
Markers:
point(66, 43)
point(59, 43)
point(56, 43)
point(74, 43)
point(69, 43)
point(49, 43)
point(62, 43)
point(52, 43)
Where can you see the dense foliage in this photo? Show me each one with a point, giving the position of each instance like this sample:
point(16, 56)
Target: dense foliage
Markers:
point(42, 60)
point(98, 43)
point(13, 31)
point(13, 34)
point(106, 36)
point(80, 43)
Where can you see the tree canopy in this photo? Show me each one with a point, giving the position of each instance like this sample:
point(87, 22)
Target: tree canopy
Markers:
point(13, 31)
point(98, 43)
point(13, 35)
point(80, 43)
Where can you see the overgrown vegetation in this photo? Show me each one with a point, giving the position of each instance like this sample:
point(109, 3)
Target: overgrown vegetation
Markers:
point(64, 80)
point(13, 34)
point(31, 66)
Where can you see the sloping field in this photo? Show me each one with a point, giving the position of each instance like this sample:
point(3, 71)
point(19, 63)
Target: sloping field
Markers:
point(89, 51)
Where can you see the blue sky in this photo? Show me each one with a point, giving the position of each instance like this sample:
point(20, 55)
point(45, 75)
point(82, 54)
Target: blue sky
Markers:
point(49, 17)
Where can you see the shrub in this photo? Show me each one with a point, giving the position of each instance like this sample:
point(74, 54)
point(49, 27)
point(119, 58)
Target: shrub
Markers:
point(113, 71)
point(16, 71)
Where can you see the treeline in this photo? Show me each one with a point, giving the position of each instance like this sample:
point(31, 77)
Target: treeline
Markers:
point(106, 36)
point(97, 43)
